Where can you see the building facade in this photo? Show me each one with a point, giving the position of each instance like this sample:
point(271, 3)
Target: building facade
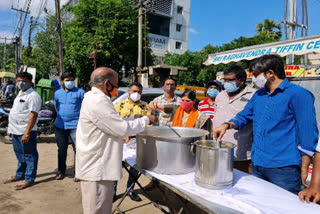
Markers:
point(169, 22)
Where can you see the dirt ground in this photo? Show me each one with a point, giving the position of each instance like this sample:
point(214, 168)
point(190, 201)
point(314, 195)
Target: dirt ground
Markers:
point(50, 196)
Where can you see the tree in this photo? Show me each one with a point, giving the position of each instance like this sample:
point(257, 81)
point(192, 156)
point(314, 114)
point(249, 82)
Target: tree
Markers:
point(44, 54)
point(270, 28)
point(112, 24)
point(199, 74)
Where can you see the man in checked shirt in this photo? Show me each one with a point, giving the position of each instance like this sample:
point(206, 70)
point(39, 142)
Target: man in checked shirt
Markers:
point(160, 104)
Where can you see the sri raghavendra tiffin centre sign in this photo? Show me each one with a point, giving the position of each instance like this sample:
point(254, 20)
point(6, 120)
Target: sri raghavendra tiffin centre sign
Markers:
point(297, 47)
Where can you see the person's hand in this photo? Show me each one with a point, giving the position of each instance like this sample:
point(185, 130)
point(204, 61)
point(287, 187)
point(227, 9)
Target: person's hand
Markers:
point(152, 119)
point(304, 175)
point(153, 105)
point(25, 139)
point(220, 131)
point(309, 192)
point(8, 134)
point(126, 139)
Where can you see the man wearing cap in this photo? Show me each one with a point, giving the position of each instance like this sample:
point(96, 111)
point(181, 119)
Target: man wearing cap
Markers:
point(207, 106)
point(228, 104)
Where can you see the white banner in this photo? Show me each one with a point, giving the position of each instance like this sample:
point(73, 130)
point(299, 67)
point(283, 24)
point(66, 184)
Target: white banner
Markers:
point(297, 47)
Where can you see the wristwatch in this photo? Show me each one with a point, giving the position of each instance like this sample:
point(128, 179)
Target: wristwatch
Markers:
point(26, 135)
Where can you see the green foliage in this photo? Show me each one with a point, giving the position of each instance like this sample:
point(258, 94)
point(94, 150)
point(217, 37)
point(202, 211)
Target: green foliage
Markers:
point(269, 28)
point(110, 23)
point(44, 55)
point(10, 65)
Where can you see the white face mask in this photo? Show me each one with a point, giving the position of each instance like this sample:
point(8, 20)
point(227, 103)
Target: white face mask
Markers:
point(259, 81)
point(135, 97)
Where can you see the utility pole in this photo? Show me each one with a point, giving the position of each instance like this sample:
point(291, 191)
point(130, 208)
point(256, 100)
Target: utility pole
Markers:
point(16, 56)
point(291, 24)
point(59, 37)
point(19, 44)
point(4, 55)
point(29, 42)
point(140, 36)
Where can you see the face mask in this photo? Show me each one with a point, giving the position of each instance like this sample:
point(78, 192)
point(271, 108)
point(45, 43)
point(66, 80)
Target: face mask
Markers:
point(231, 87)
point(212, 92)
point(113, 92)
point(135, 97)
point(186, 105)
point(260, 81)
point(169, 88)
point(22, 85)
point(69, 84)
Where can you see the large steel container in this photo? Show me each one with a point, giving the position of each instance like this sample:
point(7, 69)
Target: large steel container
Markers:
point(162, 151)
point(214, 164)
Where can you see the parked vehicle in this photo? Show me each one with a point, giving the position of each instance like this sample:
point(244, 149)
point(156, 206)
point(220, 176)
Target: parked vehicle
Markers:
point(47, 116)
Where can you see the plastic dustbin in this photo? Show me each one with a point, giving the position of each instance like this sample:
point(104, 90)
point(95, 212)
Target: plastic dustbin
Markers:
point(46, 89)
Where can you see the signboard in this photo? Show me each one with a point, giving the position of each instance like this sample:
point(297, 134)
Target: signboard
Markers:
point(296, 71)
point(32, 71)
point(158, 42)
point(298, 46)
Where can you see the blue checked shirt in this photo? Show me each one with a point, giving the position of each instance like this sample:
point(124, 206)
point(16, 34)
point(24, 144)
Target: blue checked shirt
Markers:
point(281, 121)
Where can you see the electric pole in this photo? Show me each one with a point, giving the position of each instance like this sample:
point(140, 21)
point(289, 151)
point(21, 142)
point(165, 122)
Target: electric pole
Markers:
point(140, 37)
point(291, 24)
point(4, 55)
point(59, 36)
point(29, 42)
point(19, 44)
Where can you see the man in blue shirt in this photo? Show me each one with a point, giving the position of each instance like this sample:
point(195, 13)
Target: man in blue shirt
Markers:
point(68, 103)
point(284, 117)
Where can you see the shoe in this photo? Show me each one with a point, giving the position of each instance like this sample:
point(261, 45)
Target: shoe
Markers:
point(134, 196)
point(60, 176)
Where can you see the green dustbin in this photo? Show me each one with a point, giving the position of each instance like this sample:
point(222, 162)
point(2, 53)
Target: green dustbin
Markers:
point(46, 89)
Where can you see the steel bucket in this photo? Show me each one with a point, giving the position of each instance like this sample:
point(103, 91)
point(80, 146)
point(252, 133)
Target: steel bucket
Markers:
point(214, 164)
point(160, 150)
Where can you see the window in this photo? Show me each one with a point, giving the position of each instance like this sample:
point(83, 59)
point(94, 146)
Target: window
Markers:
point(178, 45)
point(158, 25)
point(179, 10)
point(178, 27)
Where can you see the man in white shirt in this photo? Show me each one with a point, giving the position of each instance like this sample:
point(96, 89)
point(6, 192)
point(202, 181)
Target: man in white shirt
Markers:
point(23, 120)
point(100, 144)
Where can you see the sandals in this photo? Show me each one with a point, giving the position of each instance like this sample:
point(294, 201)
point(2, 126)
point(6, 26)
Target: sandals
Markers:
point(23, 185)
point(11, 179)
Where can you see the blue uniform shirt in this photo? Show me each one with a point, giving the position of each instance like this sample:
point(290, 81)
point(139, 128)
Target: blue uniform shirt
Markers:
point(281, 121)
point(68, 104)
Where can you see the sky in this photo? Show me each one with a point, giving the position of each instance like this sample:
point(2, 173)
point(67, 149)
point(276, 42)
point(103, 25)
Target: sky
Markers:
point(218, 22)
point(211, 21)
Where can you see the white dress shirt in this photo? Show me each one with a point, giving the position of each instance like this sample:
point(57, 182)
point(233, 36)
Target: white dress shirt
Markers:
point(23, 105)
point(99, 138)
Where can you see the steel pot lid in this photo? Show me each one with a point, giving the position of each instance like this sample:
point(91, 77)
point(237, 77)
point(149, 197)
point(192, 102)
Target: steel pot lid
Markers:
point(212, 144)
point(166, 132)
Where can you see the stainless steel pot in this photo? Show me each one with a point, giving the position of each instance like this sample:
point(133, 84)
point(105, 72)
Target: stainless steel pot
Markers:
point(161, 150)
point(214, 164)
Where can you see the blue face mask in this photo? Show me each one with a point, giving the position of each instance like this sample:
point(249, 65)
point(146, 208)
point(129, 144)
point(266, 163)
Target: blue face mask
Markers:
point(69, 84)
point(22, 85)
point(231, 87)
point(212, 92)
